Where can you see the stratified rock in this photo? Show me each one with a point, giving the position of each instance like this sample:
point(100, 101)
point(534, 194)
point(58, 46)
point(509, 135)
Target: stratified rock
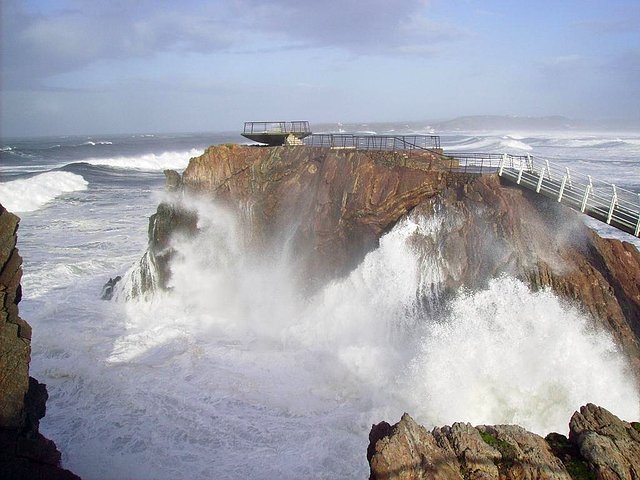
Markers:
point(600, 446)
point(340, 202)
point(610, 445)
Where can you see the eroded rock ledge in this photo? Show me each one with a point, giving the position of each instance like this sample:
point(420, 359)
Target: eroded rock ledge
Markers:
point(24, 452)
point(600, 447)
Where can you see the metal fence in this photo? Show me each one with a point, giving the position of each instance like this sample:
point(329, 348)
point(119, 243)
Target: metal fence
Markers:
point(277, 127)
point(604, 201)
point(373, 142)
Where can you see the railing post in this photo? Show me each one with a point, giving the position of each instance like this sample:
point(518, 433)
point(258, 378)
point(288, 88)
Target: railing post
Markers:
point(637, 232)
point(564, 182)
point(614, 200)
point(548, 169)
point(502, 162)
point(540, 180)
point(587, 191)
point(520, 172)
point(529, 162)
point(569, 177)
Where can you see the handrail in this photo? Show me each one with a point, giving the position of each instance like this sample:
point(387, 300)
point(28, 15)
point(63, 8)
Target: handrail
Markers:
point(277, 127)
point(601, 200)
point(373, 142)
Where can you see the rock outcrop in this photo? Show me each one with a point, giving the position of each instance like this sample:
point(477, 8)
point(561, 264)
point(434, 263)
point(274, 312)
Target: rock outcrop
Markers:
point(492, 228)
point(340, 202)
point(600, 446)
point(24, 452)
point(331, 206)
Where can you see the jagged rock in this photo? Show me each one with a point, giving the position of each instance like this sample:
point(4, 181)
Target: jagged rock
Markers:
point(25, 454)
point(600, 446)
point(408, 451)
point(610, 445)
point(107, 288)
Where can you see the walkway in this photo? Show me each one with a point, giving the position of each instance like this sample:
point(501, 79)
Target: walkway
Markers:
point(603, 201)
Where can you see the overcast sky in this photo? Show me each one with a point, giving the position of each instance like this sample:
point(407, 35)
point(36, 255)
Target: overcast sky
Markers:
point(116, 66)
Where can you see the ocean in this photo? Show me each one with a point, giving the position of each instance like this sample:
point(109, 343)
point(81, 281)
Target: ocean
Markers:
point(234, 374)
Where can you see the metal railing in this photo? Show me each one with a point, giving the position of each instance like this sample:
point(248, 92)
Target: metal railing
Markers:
point(277, 127)
point(373, 142)
point(603, 201)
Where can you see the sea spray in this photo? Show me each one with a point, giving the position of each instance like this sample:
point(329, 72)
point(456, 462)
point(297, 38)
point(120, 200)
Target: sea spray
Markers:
point(509, 355)
point(500, 355)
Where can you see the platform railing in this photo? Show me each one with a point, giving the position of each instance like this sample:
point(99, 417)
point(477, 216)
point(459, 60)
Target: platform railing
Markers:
point(601, 200)
point(277, 127)
point(373, 142)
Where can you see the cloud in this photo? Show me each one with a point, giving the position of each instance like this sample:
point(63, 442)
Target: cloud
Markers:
point(35, 45)
point(372, 27)
point(38, 44)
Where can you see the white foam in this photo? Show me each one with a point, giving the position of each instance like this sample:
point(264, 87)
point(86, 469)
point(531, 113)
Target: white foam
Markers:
point(93, 144)
point(29, 194)
point(514, 144)
point(504, 355)
point(150, 161)
point(508, 355)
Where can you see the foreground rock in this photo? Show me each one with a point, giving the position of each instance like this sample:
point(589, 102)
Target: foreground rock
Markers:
point(24, 452)
point(600, 446)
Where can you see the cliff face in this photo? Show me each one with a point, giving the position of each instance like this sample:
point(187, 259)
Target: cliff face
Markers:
point(331, 207)
point(492, 229)
point(600, 446)
point(24, 452)
point(15, 333)
point(338, 202)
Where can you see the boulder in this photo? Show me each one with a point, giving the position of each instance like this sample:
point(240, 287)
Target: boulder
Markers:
point(600, 446)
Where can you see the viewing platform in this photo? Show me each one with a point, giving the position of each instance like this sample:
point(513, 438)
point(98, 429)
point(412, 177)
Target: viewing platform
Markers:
point(277, 133)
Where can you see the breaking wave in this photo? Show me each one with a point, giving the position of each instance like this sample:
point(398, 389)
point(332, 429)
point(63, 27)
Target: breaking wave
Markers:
point(149, 161)
point(30, 194)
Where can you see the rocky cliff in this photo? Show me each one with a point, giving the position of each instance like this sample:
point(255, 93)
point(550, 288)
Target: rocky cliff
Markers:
point(338, 202)
point(600, 446)
point(331, 206)
point(24, 452)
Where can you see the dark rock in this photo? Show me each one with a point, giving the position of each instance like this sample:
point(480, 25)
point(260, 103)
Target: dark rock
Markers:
point(107, 289)
point(25, 454)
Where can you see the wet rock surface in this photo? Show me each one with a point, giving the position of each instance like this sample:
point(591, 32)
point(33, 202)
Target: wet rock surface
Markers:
point(600, 446)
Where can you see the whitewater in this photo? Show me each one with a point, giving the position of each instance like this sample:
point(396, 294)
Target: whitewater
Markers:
point(236, 373)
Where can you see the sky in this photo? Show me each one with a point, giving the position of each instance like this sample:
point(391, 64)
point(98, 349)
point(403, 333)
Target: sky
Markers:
point(123, 66)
